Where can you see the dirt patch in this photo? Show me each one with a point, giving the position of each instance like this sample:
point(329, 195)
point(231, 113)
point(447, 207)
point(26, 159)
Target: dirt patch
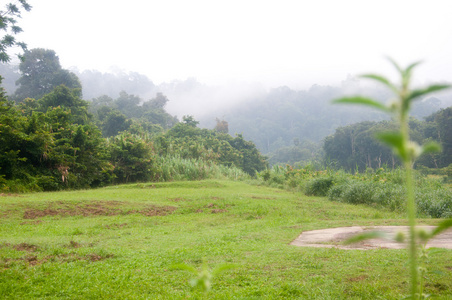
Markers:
point(179, 200)
point(98, 208)
point(218, 211)
point(26, 247)
point(263, 198)
point(112, 226)
point(65, 209)
point(73, 244)
point(157, 211)
point(9, 195)
point(334, 238)
point(356, 279)
point(33, 260)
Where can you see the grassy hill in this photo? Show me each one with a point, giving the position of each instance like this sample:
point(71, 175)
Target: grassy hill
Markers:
point(138, 242)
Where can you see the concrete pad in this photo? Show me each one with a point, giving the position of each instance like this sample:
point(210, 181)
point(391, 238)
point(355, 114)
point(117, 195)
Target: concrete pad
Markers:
point(334, 237)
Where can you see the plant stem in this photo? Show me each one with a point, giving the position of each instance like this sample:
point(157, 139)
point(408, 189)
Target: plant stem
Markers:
point(412, 222)
point(411, 205)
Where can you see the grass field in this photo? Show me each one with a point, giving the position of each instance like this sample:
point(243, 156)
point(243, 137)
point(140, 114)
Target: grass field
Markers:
point(122, 242)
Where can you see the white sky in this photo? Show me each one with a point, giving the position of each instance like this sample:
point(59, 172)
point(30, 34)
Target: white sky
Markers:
point(280, 42)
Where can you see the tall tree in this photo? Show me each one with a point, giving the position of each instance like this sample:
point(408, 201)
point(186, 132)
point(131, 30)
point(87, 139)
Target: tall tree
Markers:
point(41, 73)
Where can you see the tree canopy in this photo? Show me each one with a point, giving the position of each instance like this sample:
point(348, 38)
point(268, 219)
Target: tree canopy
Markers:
point(41, 72)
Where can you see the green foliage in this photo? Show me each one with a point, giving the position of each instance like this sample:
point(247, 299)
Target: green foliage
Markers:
point(203, 278)
point(381, 188)
point(318, 186)
point(50, 144)
point(117, 115)
point(189, 141)
point(406, 149)
point(131, 157)
point(41, 73)
point(8, 24)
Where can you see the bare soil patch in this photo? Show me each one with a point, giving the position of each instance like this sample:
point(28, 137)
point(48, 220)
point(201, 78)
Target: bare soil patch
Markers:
point(179, 200)
point(34, 260)
point(9, 195)
point(25, 247)
point(97, 208)
point(334, 238)
point(218, 211)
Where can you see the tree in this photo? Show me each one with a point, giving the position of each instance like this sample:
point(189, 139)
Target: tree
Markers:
point(190, 121)
point(114, 123)
point(41, 73)
point(159, 102)
point(8, 23)
point(222, 126)
point(62, 96)
point(132, 157)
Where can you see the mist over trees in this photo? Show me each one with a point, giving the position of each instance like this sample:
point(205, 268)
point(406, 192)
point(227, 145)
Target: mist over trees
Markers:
point(41, 72)
point(53, 139)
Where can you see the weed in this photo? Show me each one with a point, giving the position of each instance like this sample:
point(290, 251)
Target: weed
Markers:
point(406, 149)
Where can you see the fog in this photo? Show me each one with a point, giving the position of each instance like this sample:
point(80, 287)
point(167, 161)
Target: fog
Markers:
point(210, 56)
point(259, 43)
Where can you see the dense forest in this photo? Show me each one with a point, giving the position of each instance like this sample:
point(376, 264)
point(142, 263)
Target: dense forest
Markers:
point(354, 146)
point(52, 138)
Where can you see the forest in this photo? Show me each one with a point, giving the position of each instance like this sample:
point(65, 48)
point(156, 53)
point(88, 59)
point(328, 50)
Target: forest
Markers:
point(54, 139)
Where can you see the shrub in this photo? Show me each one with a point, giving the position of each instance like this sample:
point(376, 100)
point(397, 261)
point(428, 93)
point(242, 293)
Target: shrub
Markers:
point(319, 186)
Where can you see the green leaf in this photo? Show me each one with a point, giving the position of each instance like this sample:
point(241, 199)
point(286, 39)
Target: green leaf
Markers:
point(444, 225)
point(396, 65)
point(362, 101)
point(411, 67)
point(380, 79)
point(431, 147)
point(430, 89)
point(395, 141)
point(364, 236)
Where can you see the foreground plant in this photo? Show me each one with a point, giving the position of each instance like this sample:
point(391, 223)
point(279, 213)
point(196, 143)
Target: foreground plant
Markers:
point(203, 278)
point(406, 149)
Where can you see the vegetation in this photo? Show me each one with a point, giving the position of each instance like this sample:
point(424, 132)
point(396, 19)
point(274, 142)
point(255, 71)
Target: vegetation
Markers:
point(51, 139)
point(8, 23)
point(129, 241)
point(408, 151)
point(381, 188)
point(54, 140)
point(354, 146)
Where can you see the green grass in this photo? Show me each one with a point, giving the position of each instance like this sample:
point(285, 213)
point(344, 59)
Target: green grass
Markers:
point(101, 244)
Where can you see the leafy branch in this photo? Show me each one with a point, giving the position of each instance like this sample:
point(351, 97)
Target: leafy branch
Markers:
point(8, 21)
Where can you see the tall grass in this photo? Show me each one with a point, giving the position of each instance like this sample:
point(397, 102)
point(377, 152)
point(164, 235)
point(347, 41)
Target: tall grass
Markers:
point(174, 167)
point(383, 188)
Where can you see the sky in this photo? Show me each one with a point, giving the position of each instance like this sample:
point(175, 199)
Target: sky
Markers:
point(296, 43)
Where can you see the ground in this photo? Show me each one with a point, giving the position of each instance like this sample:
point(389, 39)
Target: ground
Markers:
point(335, 237)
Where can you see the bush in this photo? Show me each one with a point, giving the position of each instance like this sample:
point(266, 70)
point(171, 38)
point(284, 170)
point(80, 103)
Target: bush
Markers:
point(319, 186)
point(435, 203)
